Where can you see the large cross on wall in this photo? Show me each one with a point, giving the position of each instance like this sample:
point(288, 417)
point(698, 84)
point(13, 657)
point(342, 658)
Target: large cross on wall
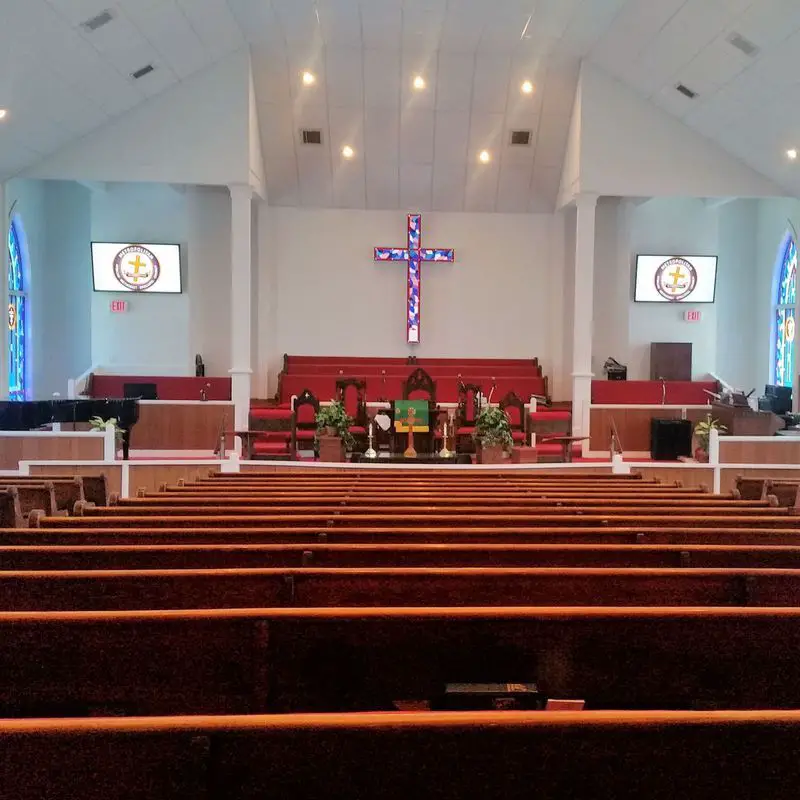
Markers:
point(414, 254)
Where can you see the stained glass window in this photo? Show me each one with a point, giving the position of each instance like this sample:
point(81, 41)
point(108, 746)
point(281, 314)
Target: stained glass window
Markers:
point(785, 301)
point(17, 313)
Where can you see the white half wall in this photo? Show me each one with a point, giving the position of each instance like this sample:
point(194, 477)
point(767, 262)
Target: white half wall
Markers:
point(502, 298)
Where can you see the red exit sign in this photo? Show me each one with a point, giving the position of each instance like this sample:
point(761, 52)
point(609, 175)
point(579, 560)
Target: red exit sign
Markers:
point(693, 316)
point(119, 306)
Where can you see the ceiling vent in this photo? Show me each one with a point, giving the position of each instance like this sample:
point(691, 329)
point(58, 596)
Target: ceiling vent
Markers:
point(140, 73)
point(743, 45)
point(311, 136)
point(521, 138)
point(103, 18)
point(686, 91)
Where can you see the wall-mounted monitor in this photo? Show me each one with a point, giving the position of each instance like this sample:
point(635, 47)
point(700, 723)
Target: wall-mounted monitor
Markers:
point(132, 267)
point(675, 279)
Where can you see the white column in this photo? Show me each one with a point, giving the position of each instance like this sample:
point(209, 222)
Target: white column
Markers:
point(582, 312)
point(241, 367)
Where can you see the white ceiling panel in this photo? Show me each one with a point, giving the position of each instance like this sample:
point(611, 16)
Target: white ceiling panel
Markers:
point(382, 24)
point(416, 136)
point(491, 83)
point(340, 23)
point(257, 21)
point(383, 185)
point(422, 64)
point(449, 180)
point(454, 84)
point(382, 78)
point(481, 189)
point(271, 76)
point(345, 78)
point(215, 25)
point(346, 128)
point(451, 137)
point(485, 133)
point(416, 186)
point(551, 141)
point(349, 184)
point(278, 131)
point(382, 134)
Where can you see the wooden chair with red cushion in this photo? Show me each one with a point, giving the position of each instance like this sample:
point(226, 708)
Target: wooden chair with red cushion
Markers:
point(351, 393)
point(466, 415)
point(420, 386)
point(514, 409)
point(304, 431)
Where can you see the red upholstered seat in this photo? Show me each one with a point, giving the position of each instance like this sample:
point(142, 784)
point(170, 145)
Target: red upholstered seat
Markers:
point(518, 436)
point(467, 430)
point(550, 416)
point(275, 436)
point(271, 413)
point(306, 435)
point(270, 448)
point(549, 449)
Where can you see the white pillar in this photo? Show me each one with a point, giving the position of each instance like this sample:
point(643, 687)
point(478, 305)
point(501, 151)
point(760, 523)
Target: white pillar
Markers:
point(582, 312)
point(241, 367)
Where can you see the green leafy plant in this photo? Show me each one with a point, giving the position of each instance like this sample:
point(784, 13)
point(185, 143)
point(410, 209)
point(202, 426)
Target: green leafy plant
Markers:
point(492, 428)
point(702, 431)
point(335, 420)
point(100, 425)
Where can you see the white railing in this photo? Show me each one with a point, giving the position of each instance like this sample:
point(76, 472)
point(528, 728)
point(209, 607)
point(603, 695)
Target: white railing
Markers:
point(76, 386)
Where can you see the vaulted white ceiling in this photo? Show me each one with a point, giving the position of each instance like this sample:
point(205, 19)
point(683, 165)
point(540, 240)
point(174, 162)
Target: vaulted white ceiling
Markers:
point(412, 149)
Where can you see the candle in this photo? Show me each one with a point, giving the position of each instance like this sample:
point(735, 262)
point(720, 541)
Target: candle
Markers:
point(370, 429)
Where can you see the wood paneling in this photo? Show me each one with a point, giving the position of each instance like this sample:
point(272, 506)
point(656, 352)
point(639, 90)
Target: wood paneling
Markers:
point(772, 450)
point(633, 425)
point(688, 476)
point(180, 426)
point(588, 469)
point(728, 476)
point(38, 447)
point(112, 473)
point(151, 476)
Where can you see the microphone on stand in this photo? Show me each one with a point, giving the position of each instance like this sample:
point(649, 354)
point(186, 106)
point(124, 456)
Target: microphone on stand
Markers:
point(663, 391)
point(494, 386)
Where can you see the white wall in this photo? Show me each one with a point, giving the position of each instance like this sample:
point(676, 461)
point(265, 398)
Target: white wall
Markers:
point(160, 334)
point(502, 298)
point(56, 219)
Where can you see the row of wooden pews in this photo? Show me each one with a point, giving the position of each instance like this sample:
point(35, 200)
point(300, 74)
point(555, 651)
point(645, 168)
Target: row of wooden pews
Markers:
point(295, 635)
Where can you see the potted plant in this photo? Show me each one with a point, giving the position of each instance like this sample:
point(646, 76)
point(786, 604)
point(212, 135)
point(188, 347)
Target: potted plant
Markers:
point(493, 435)
point(333, 423)
point(100, 425)
point(702, 433)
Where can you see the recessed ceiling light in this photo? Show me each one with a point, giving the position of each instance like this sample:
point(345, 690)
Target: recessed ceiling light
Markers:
point(791, 154)
point(348, 151)
point(309, 78)
point(527, 87)
point(484, 157)
point(3, 112)
point(419, 82)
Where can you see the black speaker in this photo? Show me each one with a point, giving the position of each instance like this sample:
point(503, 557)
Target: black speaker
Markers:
point(670, 439)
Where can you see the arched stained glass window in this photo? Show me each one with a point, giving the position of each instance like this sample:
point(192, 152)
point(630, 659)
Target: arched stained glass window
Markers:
point(785, 302)
point(18, 367)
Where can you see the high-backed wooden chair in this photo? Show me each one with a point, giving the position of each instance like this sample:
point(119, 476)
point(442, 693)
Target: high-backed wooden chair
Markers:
point(351, 393)
point(419, 386)
point(513, 407)
point(304, 421)
point(466, 416)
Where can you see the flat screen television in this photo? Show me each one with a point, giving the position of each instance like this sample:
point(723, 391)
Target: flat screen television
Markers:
point(675, 279)
point(133, 267)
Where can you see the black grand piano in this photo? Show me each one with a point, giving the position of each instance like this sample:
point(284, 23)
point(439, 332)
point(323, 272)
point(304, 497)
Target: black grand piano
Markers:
point(33, 414)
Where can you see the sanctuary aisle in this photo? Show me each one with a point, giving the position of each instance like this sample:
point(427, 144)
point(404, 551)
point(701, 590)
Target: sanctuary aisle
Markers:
point(400, 633)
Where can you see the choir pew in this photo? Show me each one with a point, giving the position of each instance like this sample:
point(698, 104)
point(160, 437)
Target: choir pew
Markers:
point(243, 530)
point(298, 660)
point(125, 590)
point(322, 556)
point(430, 756)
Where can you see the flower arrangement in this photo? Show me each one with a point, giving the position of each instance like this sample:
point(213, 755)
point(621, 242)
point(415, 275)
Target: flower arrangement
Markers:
point(702, 433)
point(100, 425)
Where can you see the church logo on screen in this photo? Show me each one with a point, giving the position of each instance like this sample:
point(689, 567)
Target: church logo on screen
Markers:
point(136, 268)
point(676, 279)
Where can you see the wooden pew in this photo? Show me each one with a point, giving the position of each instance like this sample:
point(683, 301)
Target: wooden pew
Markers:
point(10, 510)
point(236, 517)
point(321, 556)
point(393, 505)
point(738, 755)
point(37, 500)
point(229, 531)
point(124, 590)
point(293, 660)
point(66, 491)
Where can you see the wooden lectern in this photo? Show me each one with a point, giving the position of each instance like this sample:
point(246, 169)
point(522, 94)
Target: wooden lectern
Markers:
point(741, 421)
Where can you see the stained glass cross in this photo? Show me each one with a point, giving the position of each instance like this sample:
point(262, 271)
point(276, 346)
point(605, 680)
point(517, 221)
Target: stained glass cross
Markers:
point(414, 254)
